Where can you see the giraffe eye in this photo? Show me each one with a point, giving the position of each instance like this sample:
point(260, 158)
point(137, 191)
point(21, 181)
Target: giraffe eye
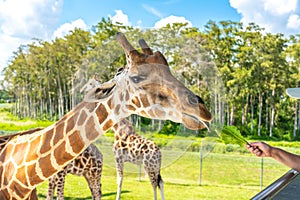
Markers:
point(162, 97)
point(137, 79)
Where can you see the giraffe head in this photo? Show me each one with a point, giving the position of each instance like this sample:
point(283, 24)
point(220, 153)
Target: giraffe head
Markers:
point(146, 86)
point(93, 82)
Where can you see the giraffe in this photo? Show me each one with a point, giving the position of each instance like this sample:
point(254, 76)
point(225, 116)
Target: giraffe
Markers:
point(131, 147)
point(5, 139)
point(145, 87)
point(88, 164)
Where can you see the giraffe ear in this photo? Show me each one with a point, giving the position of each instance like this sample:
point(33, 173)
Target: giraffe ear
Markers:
point(100, 92)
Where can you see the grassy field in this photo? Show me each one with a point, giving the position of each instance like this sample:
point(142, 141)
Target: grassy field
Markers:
point(224, 175)
point(10, 123)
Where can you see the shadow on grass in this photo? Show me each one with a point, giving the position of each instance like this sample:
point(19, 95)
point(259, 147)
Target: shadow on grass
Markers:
point(85, 198)
point(181, 184)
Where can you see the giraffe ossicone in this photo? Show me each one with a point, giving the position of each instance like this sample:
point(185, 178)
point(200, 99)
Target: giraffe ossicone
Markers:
point(145, 87)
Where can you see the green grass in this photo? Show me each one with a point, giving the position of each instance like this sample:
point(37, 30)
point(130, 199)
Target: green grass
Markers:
point(225, 176)
point(230, 175)
point(10, 123)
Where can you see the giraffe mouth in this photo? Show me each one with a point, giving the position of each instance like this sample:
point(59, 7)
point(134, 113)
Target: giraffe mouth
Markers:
point(194, 123)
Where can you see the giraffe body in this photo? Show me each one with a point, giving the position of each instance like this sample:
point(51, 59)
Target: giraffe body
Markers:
point(145, 87)
point(131, 147)
point(88, 164)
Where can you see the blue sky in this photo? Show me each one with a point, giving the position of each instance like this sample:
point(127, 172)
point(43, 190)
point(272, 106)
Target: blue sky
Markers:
point(147, 13)
point(22, 20)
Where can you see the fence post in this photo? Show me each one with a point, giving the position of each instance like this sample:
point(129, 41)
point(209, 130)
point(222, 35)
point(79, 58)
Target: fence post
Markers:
point(140, 171)
point(261, 173)
point(201, 159)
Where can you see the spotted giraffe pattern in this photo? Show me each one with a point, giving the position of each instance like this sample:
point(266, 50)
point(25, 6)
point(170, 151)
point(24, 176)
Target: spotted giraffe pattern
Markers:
point(5, 139)
point(145, 87)
point(131, 147)
point(88, 164)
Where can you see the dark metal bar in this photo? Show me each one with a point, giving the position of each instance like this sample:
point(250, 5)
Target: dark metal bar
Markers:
point(271, 191)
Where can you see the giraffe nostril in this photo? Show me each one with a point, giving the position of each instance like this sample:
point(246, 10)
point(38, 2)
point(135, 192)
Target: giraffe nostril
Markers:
point(200, 99)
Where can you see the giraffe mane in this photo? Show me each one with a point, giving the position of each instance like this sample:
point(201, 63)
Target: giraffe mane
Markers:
point(103, 90)
point(100, 92)
point(6, 138)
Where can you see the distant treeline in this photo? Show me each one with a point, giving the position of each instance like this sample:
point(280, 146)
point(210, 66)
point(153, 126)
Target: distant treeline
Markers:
point(239, 70)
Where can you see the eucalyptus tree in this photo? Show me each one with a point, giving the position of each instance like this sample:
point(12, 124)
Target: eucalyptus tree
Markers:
point(247, 75)
point(274, 68)
point(222, 43)
point(16, 77)
point(105, 56)
point(293, 58)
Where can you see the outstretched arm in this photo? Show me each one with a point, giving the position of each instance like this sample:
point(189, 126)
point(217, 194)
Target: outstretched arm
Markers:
point(262, 149)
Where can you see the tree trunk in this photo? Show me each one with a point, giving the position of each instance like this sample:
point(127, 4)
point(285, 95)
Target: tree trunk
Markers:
point(272, 115)
point(220, 109)
point(66, 99)
point(152, 124)
point(60, 98)
point(159, 125)
point(247, 109)
point(272, 120)
point(222, 112)
point(243, 111)
point(228, 114)
point(73, 93)
point(260, 100)
point(216, 106)
point(267, 115)
point(232, 114)
point(295, 120)
point(252, 113)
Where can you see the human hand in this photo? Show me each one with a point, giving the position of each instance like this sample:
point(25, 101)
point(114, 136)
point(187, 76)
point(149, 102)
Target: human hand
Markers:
point(260, 149)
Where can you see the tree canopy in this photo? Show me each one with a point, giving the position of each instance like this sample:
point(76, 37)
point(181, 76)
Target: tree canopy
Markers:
point(241, 72)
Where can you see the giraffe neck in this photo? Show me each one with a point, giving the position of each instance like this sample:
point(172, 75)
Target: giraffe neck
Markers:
point(123, 129)
point(47, 151)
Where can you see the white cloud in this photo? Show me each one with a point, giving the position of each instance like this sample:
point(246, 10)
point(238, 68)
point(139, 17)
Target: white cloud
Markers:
point(293, 22)
point(120, 17)
point(23, 20)
point(8, 46)
point(170, 20)
point(29, 18)
point(280, 7)
point(152, 10)
point(276, 16)
point(67, 27)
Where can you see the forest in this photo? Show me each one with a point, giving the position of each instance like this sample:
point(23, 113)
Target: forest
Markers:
point(240, 71)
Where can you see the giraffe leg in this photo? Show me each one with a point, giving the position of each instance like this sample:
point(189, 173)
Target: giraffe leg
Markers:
point(51, 188)
point(156, 181)
point(153, 180)
point(94, 181)
point(60, 184)
point(119, 168)
point(161, 186)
